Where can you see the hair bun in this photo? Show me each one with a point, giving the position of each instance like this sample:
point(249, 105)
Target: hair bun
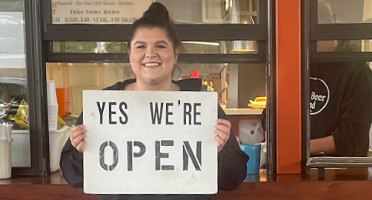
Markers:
point(157, 11)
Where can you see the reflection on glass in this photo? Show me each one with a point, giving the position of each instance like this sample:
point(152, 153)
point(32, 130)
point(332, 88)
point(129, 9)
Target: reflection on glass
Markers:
point(13, 80)
point(89, 47)
point(242, 12)
point(181, 11)
point(344, 45)
point(97, 11)
point(339, 11)
point(243, 46)
point(218, 47)
point(187, 47)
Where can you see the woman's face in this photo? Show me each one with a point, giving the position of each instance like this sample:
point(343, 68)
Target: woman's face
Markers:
point(152, 56)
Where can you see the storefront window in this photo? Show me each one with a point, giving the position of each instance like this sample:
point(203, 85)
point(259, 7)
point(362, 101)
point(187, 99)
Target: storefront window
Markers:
point(224, 40)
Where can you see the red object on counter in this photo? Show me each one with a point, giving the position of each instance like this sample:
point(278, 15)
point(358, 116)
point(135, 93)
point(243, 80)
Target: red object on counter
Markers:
point(194, 73)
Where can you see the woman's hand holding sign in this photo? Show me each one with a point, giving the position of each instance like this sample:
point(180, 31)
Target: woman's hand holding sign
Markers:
point(222, 131)
point(77, 137)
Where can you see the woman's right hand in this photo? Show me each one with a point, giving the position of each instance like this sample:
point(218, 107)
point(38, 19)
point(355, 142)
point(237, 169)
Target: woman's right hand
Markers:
point(77, 137)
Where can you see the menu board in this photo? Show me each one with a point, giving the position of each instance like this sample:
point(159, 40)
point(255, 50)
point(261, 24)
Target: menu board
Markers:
point(97, 11)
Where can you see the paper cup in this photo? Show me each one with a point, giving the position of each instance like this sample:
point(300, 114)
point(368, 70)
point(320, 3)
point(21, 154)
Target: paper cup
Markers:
point(5, 160)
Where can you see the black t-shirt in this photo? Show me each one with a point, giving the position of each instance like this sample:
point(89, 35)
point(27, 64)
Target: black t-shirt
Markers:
point(341, 105)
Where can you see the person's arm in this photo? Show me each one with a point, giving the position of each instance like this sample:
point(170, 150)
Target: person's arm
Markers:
point(232, 162)
point(351, 135)
point(71, 162)
point(324, 145)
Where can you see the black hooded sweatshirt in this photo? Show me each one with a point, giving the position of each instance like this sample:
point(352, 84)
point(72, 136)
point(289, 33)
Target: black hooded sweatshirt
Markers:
point(231, 160)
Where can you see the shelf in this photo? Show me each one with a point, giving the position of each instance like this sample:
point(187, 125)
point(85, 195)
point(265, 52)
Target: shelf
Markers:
point(243, 111)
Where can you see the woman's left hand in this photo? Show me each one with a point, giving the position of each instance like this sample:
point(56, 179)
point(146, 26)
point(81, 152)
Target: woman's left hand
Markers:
point(222, 131)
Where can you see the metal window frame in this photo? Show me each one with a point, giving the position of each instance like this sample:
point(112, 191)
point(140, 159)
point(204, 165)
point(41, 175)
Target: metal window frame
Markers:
point(196, 32)
point(305, 86)
point(38, 124)
point(312, 32)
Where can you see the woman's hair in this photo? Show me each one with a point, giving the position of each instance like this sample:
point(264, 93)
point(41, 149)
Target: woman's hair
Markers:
point(156, 16)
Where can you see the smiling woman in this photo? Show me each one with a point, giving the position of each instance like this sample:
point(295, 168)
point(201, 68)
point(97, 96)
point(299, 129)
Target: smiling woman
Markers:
point(153, 53)
point(152, 58)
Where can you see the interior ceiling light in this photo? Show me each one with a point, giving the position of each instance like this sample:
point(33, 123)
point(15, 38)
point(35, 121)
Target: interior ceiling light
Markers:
point(202, 43)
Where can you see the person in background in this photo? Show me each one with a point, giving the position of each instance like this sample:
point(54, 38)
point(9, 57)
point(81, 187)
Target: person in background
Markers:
point(340, 101)
point(340, 108)
point(153, 52)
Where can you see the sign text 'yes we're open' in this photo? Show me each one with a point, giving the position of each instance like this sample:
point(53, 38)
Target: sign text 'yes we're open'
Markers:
point(150, 142)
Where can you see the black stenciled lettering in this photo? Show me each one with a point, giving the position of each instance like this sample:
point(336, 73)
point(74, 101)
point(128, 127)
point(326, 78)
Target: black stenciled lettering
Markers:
point(130, 153)
point(187, 113)
point(100, 110)
point(157, 113)
point(159, 155)
point(188, 153)
point(122, 107)
point(167, 113)
point(196, 113)
point(115, 155)
point(111, 112)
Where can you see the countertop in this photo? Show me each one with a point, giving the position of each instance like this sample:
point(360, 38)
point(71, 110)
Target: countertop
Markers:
point(243, 111)
point(353, 183)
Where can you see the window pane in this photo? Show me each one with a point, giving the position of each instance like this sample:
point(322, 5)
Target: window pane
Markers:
point(242, 82)
point(89, 47)
point(344, 45)
point(219, 47)
point(187, 47)
point(181, 11)
point(13, 80)
point(344, 11)
point(212, 11)
point(70, 83)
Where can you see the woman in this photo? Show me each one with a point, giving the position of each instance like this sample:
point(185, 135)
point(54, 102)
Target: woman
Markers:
point(153, 52)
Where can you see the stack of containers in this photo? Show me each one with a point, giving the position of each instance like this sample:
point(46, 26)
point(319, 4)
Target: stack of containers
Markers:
point(52, 105)
point(57, 138)
point(5, 151)
point(251, 133)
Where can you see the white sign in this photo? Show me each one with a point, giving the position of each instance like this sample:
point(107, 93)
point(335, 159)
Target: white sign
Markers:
point(98, 11)
point(150, 142)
